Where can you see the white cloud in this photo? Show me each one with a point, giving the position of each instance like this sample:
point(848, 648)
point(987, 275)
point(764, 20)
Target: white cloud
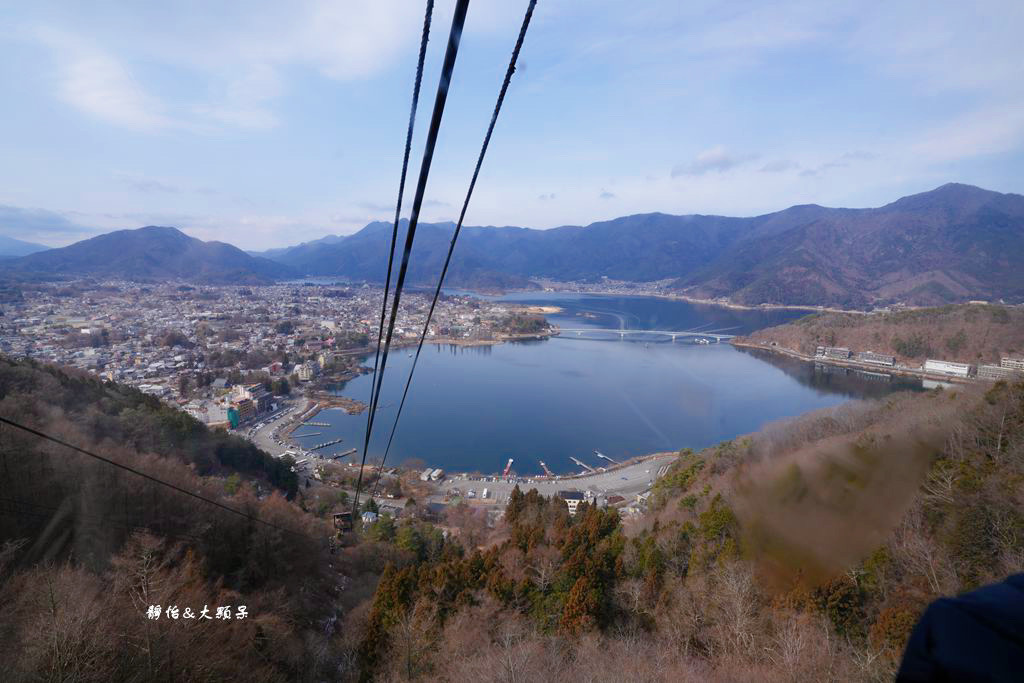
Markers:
point(98, 84)
point(51, 227)
point(717, 159)
point(239, 59)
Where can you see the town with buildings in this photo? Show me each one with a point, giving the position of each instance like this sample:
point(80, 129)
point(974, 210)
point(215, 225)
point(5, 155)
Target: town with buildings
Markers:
point(227, 355)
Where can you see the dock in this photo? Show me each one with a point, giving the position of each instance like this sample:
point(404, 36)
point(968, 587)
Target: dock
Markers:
point(316, 424)
point(350, 451)
point(584, 465)
point(546, 470)
point(602, 455)
point(300, 436)
point(325, 444)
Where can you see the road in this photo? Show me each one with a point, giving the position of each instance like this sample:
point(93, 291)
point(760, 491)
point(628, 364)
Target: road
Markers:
point(264, 436)
point(626, 481)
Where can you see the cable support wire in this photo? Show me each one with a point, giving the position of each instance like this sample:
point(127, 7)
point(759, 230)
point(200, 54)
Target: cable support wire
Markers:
point(454, 36)
point(222, 506)
point(401, 188)
point(458, 226)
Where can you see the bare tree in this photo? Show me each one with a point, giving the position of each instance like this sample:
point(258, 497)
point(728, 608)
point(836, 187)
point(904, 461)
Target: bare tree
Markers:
point(412, 637)
point(544, 563)
point(920, 555)
point(735, 601)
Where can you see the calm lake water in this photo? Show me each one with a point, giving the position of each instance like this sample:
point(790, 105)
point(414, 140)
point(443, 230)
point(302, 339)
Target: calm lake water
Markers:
point(473, 408)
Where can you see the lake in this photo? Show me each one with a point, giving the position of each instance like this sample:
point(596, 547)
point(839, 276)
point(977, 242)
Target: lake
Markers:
point(473, 408)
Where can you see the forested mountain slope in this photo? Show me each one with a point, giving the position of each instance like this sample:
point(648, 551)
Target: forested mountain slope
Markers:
point(85, 547)
point(804, 552)
point(967, 333)
point(952, 244)
point(150, 253)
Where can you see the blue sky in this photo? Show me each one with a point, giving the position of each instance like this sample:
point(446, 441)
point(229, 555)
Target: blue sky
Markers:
point(268, 123)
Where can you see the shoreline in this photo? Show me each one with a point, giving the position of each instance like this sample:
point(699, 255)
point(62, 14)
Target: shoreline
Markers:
point(758, 307)
point(689, 299)
point(852, 364)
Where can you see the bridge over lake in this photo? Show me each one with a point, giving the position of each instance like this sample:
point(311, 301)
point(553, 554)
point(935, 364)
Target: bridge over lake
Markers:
point(674, 334)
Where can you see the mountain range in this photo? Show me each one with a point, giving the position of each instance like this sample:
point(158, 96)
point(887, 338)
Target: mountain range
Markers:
point(954, 243)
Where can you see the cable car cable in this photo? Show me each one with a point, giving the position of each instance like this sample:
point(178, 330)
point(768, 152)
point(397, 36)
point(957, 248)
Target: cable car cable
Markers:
point(454, 36)
point(458, 226)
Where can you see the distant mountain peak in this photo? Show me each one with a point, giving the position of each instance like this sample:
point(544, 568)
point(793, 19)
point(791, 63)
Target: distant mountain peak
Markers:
point(152, 252)
point(950, 194)
point(10, 247)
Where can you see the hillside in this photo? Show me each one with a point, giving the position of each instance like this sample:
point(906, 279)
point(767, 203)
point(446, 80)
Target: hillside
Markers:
point(150, 253)
point(641, 247)
point(805, 551)
point(100, 544)
point(952, 244)
point(968, 333)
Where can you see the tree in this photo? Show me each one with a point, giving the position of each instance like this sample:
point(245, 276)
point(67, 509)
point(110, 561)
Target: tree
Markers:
point(957, 342)
point(408, 538)
point(581, 607)
point(383, 529)
point(370, 505)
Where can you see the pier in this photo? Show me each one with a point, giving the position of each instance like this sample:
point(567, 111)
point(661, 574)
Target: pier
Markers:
point(325, 444)
point(300, 436)
point(316, 424)
point(584, 465)
point(602, 455)
point(338, 456)
point(546, 470)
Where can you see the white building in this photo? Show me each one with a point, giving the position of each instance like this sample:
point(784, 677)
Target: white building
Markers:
point(306, 372)
point(208, 412)
point(572, 500)
point(1013, 363)
point(945, 367)
point(996, 372)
